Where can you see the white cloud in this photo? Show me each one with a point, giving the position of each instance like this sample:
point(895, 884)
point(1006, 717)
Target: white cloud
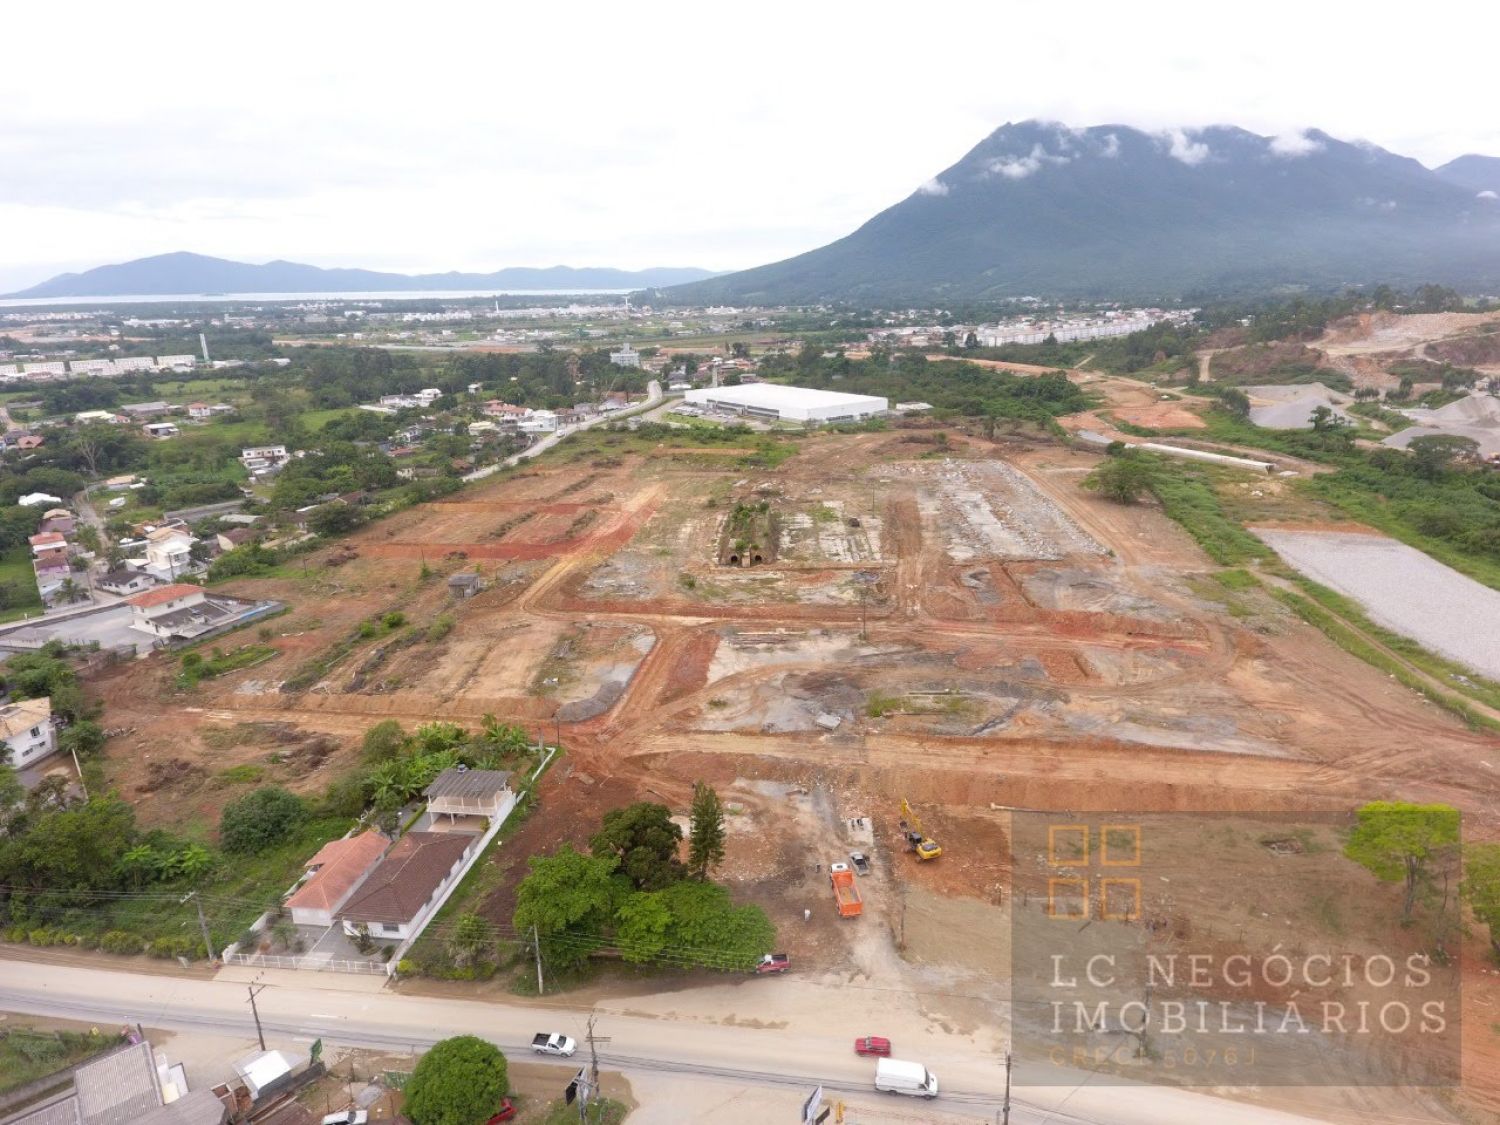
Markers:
point(1294, 144)
point(1019, 167)
point(933, 186)
point(1111, 146)
point(1488, 195)
point(1182, 147)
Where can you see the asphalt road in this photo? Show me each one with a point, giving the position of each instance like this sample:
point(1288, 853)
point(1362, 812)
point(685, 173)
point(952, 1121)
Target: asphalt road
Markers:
point(297, 1008)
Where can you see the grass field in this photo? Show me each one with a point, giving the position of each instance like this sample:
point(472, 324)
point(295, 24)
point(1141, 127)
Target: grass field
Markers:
point(315, 420)
point(15, 570)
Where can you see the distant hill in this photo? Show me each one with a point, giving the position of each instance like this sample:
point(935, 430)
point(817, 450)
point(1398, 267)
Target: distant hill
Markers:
point(1110, 211)
point(1479, 173)
point(194, 274)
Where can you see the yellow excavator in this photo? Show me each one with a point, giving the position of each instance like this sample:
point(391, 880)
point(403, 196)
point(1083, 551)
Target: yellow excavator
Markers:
point(911, 830)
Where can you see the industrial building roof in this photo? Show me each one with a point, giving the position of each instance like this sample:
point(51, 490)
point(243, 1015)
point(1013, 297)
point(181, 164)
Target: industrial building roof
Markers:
point(774, 396)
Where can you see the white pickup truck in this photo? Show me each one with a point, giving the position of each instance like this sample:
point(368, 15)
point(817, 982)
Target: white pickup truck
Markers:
point(553, 1043)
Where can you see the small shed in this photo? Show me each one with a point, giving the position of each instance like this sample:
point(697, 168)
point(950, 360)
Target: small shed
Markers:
point(464, 585)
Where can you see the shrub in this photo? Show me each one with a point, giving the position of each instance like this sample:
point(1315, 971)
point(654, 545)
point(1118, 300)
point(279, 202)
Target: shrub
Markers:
point(393, 620)
point(120, 941)
point(259, 820)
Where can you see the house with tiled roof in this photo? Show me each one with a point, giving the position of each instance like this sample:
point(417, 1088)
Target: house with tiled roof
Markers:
point(26, 731)
point(395, 900)
point(182, 611)
point(336, 872)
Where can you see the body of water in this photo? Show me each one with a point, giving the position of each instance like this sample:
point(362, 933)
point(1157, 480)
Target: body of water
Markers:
point(296, 298)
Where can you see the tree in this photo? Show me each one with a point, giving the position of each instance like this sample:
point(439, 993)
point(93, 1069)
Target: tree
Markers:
point(333, 519)
point(459, 1082)
point(284, 930)
point(570, 899)
point(84, 738)
point(1435, 454)
point(259, 820)
point(473, 939)
point(1481, 888)
point(709, 930)
point(706, 843)
point(644, 839)
point(138, 864)
point(383, 742)
point(1397, 841)
point(1236, 401)
point(1123, 479)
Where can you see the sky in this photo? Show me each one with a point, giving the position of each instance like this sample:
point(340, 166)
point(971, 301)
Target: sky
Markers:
point(436, 136)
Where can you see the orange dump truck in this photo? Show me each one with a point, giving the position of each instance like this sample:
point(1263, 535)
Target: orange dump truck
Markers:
point(845, 891)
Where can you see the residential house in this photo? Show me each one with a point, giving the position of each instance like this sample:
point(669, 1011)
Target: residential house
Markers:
point(539, 422)
point(203, 411)
point(47, 546)
point(460, 792)
point(464, 585)
point(126, 580)
point(27, 442)
point(59, 520)
point(118, 484)
point(497, 409)
point(169, 553)
point(334, 874)
point(131, 1085)
point(160, 430)
point(182, 612)
point(26, 730)
point(625, 357)
point(84, 417)
point(261, 459)
point(235, 537)
point(396, 899)
point(147, 409)
point(482, 427)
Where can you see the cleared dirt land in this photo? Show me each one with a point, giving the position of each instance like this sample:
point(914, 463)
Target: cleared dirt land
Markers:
point(1402, 589)
point(950, 620)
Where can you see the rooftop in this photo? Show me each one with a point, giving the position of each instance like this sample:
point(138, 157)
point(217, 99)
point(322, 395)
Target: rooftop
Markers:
point(26, 713)
point(340, 865)
point(455, 782)
point(406, 879)
point(148, 598)
point(774, 395)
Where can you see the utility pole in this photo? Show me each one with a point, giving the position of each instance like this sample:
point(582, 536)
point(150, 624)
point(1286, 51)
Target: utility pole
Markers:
point(208, 942)
point(81, 783)
point(1005, 1108)
point(536, 944)
point(594, 1041)
point(254, 992)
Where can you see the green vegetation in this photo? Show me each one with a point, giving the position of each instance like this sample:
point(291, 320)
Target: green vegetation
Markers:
point(195, 668)
point(27, 1054)
point(1399, 842)
point(259, 820)
point(1481, 889)
point(1186, 494)
point(460, 1081)
point(706, 837)
point(643, 841)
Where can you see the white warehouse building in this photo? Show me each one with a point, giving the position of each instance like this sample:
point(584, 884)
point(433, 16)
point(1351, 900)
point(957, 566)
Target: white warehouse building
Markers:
point(773, 402)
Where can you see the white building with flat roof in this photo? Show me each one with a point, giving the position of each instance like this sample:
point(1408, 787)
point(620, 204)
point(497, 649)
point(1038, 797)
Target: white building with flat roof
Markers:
point(773, 402)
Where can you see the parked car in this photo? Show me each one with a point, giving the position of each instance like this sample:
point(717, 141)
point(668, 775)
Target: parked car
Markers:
point(347, 1117)
point(553, 1043)
point(872, 1045)
point(773, 963)
point(892, 1076)
point(861, 862)
point(507, 1111)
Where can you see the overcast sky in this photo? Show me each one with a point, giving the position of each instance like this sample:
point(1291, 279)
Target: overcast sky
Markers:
point(440, 136)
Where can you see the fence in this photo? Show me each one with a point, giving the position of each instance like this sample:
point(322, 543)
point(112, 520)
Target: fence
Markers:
point(306, 961)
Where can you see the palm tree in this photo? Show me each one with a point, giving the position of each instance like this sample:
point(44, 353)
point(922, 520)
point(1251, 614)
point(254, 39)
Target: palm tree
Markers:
point(194, 862)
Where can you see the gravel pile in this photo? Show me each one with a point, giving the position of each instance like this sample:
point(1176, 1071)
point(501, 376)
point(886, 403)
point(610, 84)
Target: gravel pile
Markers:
point(1279, 407)
point(1402, 589)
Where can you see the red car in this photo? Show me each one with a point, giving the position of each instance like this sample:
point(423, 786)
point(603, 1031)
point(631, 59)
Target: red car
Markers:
point(507, 1111)
point(872, 1045)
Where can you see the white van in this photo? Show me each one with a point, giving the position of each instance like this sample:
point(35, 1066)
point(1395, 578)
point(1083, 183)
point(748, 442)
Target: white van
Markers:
point(892, 1076)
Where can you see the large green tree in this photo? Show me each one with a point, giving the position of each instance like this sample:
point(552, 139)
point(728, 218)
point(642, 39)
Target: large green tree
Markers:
point(569, 899)
point(706, 843)
point(1401, 842)
point(259, 820)
point(644, 839)
point(1124, 478)
point(1481, 888)
point(459, 1082)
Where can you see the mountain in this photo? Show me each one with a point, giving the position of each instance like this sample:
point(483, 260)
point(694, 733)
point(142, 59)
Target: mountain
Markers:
point(1478, 173)
point(1114, 212)
point(184, 273)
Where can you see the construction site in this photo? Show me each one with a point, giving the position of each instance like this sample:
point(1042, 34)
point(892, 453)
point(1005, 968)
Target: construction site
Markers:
point(884, 645)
